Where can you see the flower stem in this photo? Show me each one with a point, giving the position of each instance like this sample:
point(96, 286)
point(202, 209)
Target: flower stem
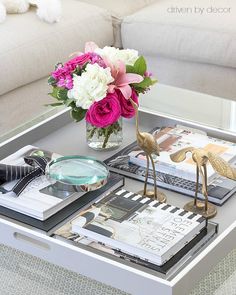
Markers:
point(108, 133)
point(92, 132)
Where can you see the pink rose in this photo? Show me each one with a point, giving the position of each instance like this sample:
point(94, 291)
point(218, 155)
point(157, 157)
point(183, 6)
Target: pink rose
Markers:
point(77, 61)
point(127, 110)
point(104, 112)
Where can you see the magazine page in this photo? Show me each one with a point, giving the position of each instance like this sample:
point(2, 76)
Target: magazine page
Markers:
point(173, 139)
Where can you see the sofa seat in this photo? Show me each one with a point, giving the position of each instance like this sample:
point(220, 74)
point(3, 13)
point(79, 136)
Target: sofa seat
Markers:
point(29, 47)
point(159, 29)
point(118, 10)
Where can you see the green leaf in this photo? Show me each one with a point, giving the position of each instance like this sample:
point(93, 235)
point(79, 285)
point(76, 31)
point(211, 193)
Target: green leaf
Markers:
point(154, 81)
point(73, 105)
point(130, 69)
point(147, 82)
point(77, 71)
point(84, 66)
point(56, 104)
point(78, 114)
point(59, 93)
point(140, 66)
point(51, 81)
point(54, 92)
point(62, 94)
point(69, 101)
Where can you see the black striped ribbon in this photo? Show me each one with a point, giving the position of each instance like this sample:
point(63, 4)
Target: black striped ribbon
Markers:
point(25, 174)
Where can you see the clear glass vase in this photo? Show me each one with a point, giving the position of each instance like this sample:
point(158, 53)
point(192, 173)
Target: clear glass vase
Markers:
point(107, 138)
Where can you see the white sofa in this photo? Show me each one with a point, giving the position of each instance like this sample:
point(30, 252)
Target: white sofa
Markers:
point(29, 49)
point(184, 50)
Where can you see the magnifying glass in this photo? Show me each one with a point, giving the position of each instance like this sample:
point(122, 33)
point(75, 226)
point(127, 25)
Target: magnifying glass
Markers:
point(66, 174)
point(84, 173)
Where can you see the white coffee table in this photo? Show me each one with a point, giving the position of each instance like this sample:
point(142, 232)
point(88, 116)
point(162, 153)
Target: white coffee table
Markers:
point(70, 139)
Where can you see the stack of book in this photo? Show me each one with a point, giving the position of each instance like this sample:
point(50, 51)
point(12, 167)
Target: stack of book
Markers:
point(42, 204)
point(180, 177)
point(110, 220)
point(137, 229)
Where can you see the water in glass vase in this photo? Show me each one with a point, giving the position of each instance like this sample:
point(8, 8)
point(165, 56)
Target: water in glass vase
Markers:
point(107, 138)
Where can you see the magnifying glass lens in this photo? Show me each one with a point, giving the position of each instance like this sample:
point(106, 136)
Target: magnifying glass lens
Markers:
point(78, 171)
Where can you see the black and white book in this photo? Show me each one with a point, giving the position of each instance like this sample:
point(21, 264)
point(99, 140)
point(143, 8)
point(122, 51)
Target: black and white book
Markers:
point(177, 262)
point(40, 199)
point(131, 223)
point(130, 162)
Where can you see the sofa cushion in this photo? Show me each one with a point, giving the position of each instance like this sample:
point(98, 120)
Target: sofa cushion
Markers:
point(164, 29)
point(29, 47)
point(119, 9)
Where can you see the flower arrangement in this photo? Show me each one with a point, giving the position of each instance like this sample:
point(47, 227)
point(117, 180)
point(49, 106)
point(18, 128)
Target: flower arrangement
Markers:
point(97, 85)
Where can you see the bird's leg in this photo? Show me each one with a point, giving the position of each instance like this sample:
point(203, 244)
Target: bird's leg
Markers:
point(197, 184)
point(146, 176)
point(154, 177)
point(205, 188)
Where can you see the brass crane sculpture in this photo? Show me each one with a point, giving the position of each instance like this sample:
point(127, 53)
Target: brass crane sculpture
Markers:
point(201, 158)
point(149, 145)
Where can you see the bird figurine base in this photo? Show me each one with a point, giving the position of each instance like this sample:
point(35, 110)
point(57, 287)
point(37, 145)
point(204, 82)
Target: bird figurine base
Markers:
point(161, 197)
point(200, 209)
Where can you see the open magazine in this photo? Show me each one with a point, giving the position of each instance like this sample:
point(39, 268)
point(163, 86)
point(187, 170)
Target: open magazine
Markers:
point(131, 162)
point(173, 139)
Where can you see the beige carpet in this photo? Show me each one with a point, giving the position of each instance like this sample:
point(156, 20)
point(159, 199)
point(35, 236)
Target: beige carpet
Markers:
point(22, 274)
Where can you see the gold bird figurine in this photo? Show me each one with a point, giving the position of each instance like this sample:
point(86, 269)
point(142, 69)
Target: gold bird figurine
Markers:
point(201, 158)
point(149, 145)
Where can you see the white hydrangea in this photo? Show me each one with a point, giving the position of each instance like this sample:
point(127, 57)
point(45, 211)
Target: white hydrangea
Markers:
point(128, 56)
point(91, 86)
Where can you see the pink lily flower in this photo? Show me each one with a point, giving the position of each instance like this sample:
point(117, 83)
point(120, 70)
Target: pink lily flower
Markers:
point(89, 48)
point(122, 79)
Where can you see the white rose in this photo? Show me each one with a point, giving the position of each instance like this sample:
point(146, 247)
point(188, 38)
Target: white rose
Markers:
point(127, 56)
point(91, 86)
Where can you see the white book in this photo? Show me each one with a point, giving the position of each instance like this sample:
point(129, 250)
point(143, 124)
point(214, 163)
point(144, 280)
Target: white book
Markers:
point(173, 139)
point(38, 199)
point(139, 226)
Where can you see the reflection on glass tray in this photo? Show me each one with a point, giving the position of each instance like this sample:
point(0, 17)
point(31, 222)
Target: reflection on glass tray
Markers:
point(167, 271)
